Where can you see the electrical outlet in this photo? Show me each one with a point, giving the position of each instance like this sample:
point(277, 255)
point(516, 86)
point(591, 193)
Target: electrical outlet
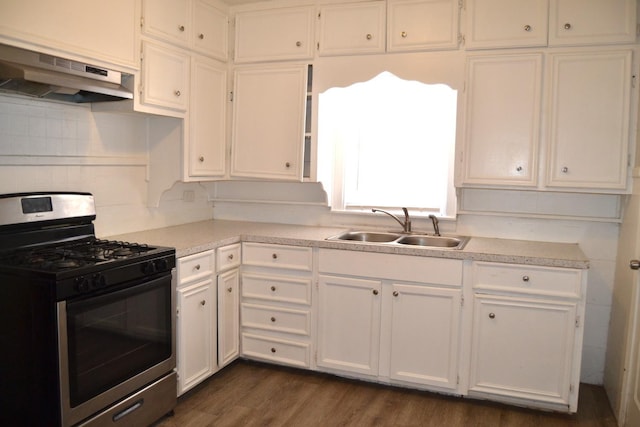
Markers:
point(189, 196)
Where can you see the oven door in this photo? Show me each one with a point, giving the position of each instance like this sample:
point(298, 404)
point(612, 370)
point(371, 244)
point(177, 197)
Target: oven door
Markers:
point(114, 344)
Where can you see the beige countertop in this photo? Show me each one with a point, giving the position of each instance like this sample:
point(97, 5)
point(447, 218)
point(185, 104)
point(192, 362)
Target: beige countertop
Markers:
point(200, 236)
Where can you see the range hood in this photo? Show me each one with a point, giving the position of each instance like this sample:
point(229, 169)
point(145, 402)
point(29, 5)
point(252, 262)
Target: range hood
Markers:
point(39, 75)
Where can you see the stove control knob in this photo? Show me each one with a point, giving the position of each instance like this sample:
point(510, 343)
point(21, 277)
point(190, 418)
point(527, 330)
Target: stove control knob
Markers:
point(162, 264)
point(99, 281)
point(81, 284)
point(149, 267)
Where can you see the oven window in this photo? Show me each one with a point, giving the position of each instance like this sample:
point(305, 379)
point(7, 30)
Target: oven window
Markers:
point(115, 336)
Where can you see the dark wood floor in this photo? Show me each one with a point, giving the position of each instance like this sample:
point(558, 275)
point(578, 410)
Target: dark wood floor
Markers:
point(254, 394)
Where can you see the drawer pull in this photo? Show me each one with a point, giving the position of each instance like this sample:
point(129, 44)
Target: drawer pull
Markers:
point(492, 315)
point(527, 28)
point(395, 293)
point(230, 257)
point(375, 292)
point(274, 256)
point(273, 319)
point(525, 278)
point(197, 267)
point(273, 288)
point(273, 350)
point(203, 302)
point(201, 36)
point(181, 28)
point(229, 289)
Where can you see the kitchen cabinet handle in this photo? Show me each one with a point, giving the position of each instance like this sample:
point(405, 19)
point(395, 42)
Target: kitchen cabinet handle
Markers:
point(567, 26)
point(403, 34)
point(396, 293)
point(181, 27)
point(288, 165)
point(201, 159)
point(201, 36)
point(177, 93)
point(565, 169)
point(229, 289)
point(197, 267)
point(525, 278)
point(273, 288)
point(230, 257)
point(375, 292)
point(492, 315)
point(203, 302)
point(369, 36)
point(634, 264)
point(273, 350)
point(527, 28)
point(519, 169)
point(298, 43)
point(273, 319)
point(274, 256)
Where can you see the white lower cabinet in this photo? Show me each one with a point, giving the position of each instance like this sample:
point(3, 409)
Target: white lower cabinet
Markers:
point(527, 334)
point(400, 323)
point(196, 320)
point(228, 263)
point(275, 307)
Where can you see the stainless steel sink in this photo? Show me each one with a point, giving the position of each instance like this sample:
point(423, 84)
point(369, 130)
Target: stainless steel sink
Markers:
point(386, 238)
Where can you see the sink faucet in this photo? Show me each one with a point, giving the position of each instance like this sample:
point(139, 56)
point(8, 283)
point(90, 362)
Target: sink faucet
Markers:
point(436, 228)
point(406, 225)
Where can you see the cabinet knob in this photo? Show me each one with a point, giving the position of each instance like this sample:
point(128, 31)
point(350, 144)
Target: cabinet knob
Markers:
point(273, 350)
point(229, 289)
point(567, 26)
point(273, 319)
point(375, 292)
point(369, 36)
point(403, 34)
point(273, 288)
point(230, 257)
point(396, 293)
point(298, 43)
point(492, 315)
point(527, 28)
point(288, 165)
point(201, 159)
point(177, 93)
point(525, 278)
point(565, 169)
point(203, 302)
point(201, 36)
point(634, 264)
point(197, 267)
point(519, 169)
point(181, 27)
point(274, 256)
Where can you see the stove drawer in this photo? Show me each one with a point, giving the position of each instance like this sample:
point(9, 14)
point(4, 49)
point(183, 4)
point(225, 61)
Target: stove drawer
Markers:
point(194, 267)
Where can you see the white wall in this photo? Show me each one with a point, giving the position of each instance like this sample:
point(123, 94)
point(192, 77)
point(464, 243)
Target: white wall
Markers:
point(49, 146)
point(304, 204)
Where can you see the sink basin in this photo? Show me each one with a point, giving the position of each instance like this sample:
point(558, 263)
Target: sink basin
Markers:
point(432, 241)
point(386, 238)
point(367, 236)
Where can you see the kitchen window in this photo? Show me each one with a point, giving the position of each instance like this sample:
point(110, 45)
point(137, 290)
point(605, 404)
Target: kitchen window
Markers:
point(388, 142)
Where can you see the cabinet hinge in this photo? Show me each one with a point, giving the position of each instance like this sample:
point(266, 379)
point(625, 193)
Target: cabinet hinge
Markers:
point(231, 96)
point(319, 13)
point(458, 380)
point(142, 22)
point(461, 301)
point(461, 4)
point(318, 46)
point(461, 39)
point(571, 388)
point(633, 81)
point(577, 321)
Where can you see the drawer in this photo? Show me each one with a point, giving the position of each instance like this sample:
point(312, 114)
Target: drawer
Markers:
point(276, 350)
point(228, 257)
point(527, 279)
point(276, 288)
point(195, 266)
point(280, 256)
point(276, 319)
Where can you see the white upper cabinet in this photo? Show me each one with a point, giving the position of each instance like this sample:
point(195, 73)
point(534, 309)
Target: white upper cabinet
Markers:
point(165, 77)
point(422, 24)
point(577, 22)
point(103, 31)
point(196, 24)
point(506, 23)
point(274, 34)
point(207, 119)
point(502, 120)
point(353, 28)
point(589, 106)
point(268, 121)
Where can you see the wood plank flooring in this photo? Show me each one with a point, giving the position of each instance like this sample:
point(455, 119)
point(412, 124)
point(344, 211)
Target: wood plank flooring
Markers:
point(254, 394)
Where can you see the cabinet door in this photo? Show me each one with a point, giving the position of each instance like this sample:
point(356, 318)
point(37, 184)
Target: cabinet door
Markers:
point(210, 29)
point(502, 120)
point(575, 22)
point(275, 34)
point(268, 122)
point(425, 330)
point(349, 324)
point(589, 119)
point(422, 24)
point(196, 332)
point(506, 23)
point(228, 317)
point(167, 19)
point(207, 119)
point(165, 77)
point(523, 348)
point(352, 28)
